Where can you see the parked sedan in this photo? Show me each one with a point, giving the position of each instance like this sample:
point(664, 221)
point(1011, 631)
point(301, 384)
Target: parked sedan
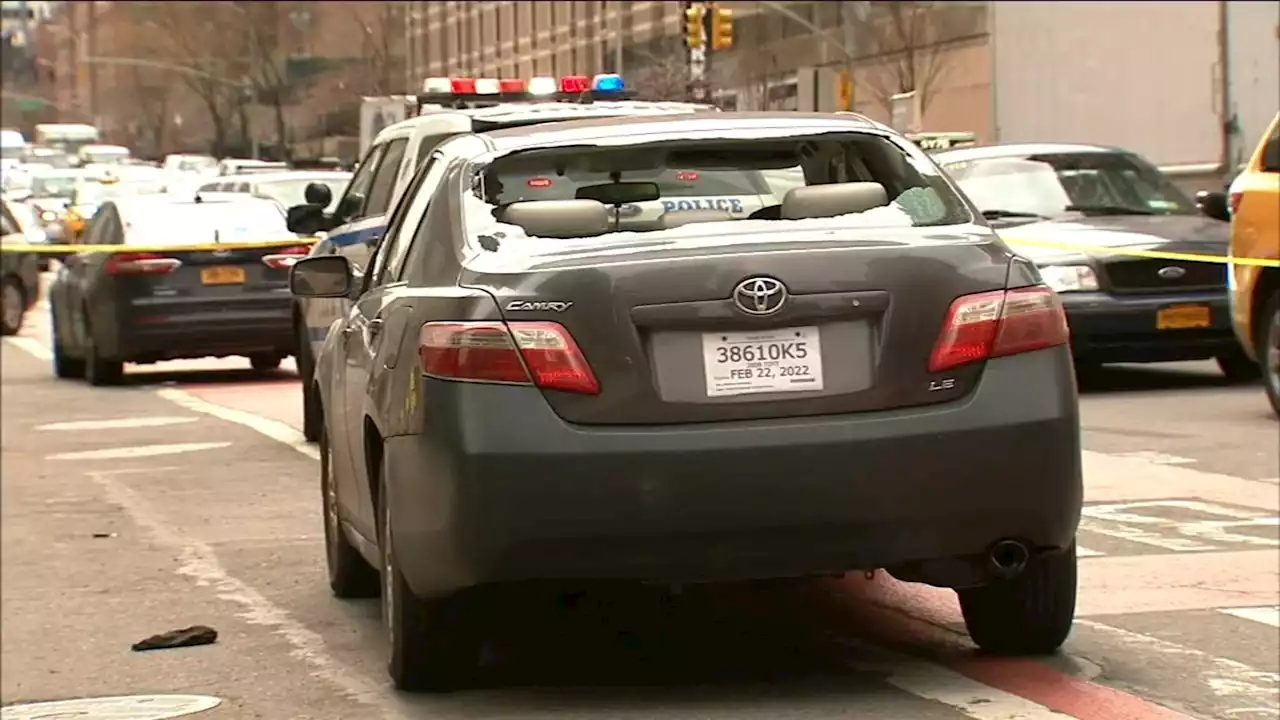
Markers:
point(19, 273)
point(1085, 215)
point(524, 390)
point(111, 308)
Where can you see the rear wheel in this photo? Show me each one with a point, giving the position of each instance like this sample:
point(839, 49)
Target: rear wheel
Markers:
point(100, 371)
point(67, 368)
point(262, 362)
point(1237, 367)
point(1028, 614)
point(350, 576)
point(1268, 348)
point(434, 646)
point(13, 306)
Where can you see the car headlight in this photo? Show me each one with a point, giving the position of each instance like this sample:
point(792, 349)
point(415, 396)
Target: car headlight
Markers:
point(49, 216)
point(1070, 278)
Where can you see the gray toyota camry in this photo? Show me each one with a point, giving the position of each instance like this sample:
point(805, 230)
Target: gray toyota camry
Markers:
point(539, 382)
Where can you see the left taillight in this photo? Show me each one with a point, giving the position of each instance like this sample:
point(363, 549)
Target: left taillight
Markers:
point(284, 258)
point(141, 263)
point(543, 354)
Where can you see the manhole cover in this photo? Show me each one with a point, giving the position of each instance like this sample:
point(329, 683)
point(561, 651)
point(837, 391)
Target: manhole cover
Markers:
point(132, 707)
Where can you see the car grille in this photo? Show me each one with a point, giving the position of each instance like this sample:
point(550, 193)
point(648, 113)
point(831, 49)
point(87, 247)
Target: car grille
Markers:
point(1145, 275)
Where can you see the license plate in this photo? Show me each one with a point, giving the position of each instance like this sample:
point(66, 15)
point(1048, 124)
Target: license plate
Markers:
point(222, 275)
point(1183, 317)
point(763, 361)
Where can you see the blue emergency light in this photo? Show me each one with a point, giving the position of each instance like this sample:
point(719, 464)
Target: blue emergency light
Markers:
point(608, 83)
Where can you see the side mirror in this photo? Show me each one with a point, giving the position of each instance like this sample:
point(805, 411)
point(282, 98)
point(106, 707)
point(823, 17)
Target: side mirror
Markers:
point(306, 219)
point(318, 194)
point(1214, 204)
point(323, 276)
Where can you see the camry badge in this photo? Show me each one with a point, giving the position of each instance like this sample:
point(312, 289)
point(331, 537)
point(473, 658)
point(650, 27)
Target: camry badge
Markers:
point(760, 295)
point(1172, 272)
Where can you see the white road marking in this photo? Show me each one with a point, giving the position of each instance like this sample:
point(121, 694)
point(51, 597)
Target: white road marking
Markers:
point(1156, 458)
point(1082, 552)
point(31, 346)
point(137, 451)
point(118, 423)
point(1125, 520)
point(1265, 615)
point(1228, 679)
point(200, 563)
point(948, 687)
point(274, 429)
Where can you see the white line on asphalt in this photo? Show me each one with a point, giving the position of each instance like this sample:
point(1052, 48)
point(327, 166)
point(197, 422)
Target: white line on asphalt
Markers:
point(200, 563)
point(1082, 552)
point(118, 423)
point(1265, 615)
point(274, 429)
point(1156, 458)
point(1227, 679)
point(137, 451)
point(31, 346)
point(948, 687)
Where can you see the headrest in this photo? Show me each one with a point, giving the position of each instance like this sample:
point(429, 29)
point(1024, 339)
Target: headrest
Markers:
point(820, 201)
point(559, 218)
point(676, 218)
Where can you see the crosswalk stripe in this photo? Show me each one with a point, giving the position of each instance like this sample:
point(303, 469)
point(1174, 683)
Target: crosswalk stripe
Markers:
point(1265, 615)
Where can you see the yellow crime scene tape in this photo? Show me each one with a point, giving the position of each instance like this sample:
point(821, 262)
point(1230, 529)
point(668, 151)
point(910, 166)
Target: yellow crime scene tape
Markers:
point(1095, 249)
point(37, 249)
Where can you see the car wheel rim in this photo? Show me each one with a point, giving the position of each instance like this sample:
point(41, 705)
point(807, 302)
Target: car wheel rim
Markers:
point(12, 302)
point(1272, 359)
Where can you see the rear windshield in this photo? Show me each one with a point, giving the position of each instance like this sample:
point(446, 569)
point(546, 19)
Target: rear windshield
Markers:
point(207, 222)
point(649, 186)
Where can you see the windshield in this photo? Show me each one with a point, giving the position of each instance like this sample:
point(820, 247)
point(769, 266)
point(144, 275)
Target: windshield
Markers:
point(53, 186)
point(188, 223)
point(104, 156)
point(291, 192)
point(197, 164)
point(1058, 184)
point(652, 186)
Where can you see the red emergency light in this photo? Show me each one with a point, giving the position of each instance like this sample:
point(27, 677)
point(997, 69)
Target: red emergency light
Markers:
point(462, 91)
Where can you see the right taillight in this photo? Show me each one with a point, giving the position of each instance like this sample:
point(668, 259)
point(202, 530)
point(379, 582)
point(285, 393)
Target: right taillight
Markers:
point(999, 323)
point(141, 263)
point(525, 353)
point(1236, 197)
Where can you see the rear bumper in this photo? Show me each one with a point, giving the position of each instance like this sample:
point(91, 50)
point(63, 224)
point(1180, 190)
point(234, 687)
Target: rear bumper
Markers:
point(211, 330)
point(500, 489)
point(1113, 329)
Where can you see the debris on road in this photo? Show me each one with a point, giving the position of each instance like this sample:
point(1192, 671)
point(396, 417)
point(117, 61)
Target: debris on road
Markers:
point(186, 637)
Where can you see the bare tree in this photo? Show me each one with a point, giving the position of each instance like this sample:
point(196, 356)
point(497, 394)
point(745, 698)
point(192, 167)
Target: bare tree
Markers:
point(267, 48)
point(200, 44)
point(659, 70)
point(382, 61)
point(903, 44)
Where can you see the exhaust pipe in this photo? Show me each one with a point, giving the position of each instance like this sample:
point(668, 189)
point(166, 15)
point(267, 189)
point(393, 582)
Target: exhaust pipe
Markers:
point(1008, 558)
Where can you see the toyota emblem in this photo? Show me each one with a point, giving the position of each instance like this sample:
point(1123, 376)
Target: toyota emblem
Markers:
point(1172, 272)
point(760, 295)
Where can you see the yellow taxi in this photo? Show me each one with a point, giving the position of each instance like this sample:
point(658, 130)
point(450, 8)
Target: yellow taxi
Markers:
point(1254, 198)
point(85, 199)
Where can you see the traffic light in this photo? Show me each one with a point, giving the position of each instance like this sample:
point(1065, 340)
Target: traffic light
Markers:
point(693, 30)
point(721, 28)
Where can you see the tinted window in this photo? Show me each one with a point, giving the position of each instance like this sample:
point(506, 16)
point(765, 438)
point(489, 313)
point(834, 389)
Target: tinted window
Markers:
point(915, 192)
point(363, 178)
point(1058, 184)
point(1271, 153)
point(384, 180)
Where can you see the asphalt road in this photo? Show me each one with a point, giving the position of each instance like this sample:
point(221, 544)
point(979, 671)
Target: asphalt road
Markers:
point(187, 497)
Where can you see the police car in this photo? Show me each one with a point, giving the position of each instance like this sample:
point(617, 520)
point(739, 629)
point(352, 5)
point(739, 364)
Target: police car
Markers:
point(454, 106)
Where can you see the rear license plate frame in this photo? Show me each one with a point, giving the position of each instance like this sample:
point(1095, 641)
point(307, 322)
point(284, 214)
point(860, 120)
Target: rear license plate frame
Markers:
point(222, 275)
point(782, 361)
point(1185, 316)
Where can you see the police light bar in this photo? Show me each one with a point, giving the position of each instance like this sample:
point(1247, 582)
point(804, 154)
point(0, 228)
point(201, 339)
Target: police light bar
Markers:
point(469, 91)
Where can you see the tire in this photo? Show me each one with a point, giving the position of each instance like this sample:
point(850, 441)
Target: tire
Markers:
point(64, 367)
point(1029, 614)
point(97, 370)
point(1267, 344)
point(13, 306)
point(1237, 367)
point(350, 576)
point(311, 415)
point(434, 646)
point(264, 362)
